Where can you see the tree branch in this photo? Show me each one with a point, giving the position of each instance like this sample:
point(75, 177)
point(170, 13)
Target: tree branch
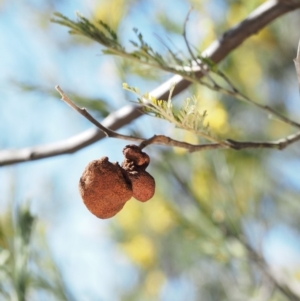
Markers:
point(230, 40)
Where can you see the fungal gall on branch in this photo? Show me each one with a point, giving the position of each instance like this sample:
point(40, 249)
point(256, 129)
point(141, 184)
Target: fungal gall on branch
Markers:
point(135, 163)
point(105, 187)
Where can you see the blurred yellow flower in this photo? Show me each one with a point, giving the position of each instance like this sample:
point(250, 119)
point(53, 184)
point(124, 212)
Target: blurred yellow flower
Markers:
point(130, 216)
point(236, 12)
point(297, 275)
point(141, 250)
point(217, 118)
point(118, 7)
point(154, 281)
point(249, 70)
point(218, 215)
point(265, 38)
point(201, 186)
point(158, 217)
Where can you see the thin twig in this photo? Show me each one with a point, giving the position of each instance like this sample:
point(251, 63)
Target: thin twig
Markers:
point(231, 144)
point(108, 132)
point(297, 63)
point(277, 144)
point(202, 67)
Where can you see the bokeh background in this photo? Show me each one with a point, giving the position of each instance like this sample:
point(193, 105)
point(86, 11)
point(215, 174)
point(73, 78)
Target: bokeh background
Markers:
point(187, 242)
